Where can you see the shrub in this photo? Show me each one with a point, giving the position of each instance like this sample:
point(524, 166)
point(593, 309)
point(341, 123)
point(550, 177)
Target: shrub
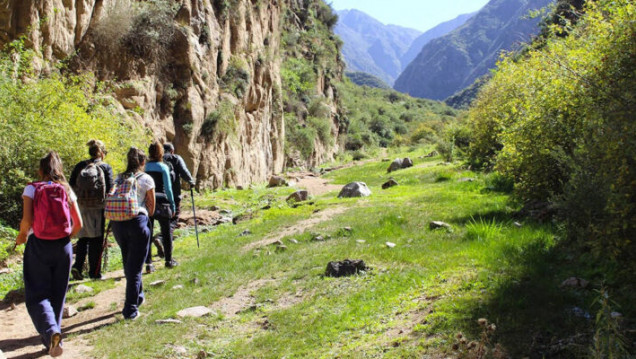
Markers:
point(237, 77)
point(152, 31)
point(116, 21)
point(299, 137)
point(221, 122)
point(323, 129)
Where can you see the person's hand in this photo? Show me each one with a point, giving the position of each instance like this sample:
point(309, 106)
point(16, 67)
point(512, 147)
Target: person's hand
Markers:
point(20, 239)
point(192, 183)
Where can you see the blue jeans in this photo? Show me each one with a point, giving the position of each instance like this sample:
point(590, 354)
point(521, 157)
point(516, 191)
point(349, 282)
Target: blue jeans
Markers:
point(46, 267)
point(133, 237)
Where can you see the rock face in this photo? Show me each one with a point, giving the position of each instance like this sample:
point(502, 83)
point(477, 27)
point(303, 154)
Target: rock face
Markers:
point(204, 75)
point(355, 189)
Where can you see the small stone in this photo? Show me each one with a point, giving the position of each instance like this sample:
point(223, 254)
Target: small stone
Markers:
point(157, 283)
point(318, 238)
point(83, 289)
point(439, 224)
point(195, 281)
point(194, 312)
point(466, 179)
point(69, 311)
point(390, 183)
point(574, 282)
point(202, 354)
point(180, 350)
point(5, 271)
point(407, 162)
point(281, 248)
point(239, 188)
point(518, 225)
point(225, 211)
point(246, 232)
point(168, 321)
point(293, 241)
point(177, 287)
point(276, 181)
point(298, 196)
point(390, 244)
point(361, 241)
point(277, 242)
point(347, 229)
point(214, 208)
point(386, 159)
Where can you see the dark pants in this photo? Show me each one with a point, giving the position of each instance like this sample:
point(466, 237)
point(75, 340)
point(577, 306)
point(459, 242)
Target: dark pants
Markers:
point(95, 248)
point(177, 203)
point(46, 267)
point(166, 239)
point(133, 238)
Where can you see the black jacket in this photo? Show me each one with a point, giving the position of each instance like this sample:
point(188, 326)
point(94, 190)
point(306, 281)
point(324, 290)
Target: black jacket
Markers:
point(181, 171)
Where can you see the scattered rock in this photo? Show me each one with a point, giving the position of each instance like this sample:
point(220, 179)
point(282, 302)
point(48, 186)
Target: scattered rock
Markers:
point(466, 179)
point(225, 211)
point(215, 208)
point(355, 189)
point(5, 271)
point(177, 287)
point(386, 159)
point(281, 248)
point(195, 281)
point(574, 282)
point(239, 188)
point(431, 154)
point(180, 350)
point(168, 321)
point(157, 283)
point(439, 224)
point(395, 165)
point(390, 244)
point(83, 289)
point(345, 268)
point(276, 181)
point(361, 241)
point(347, 229)
point(194, 312)
point(390, 183)
point(69, 311)
point(293, 241)
point(277, 243)
point(318, 238)
point(518, 225)
point(407, 162)
point(202, 354)
point(246, 232)
point(298, 196)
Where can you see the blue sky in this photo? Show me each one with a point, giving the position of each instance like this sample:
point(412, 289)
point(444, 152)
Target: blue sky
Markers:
point(417, 14)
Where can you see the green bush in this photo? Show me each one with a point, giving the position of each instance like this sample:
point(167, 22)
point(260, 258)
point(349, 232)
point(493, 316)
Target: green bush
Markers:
point(152, 31)
point(323, 129)
point(56, 113)
point(221, 122)
point(299, 137)
point(237, 77)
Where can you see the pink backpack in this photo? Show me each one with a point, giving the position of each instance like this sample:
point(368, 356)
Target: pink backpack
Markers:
point(51, 211)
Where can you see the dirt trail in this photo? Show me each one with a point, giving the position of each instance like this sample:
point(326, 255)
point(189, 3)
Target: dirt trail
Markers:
point(299, 227)
point(19, 340)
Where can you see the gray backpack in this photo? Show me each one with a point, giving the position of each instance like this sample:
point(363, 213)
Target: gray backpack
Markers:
point(90, 187)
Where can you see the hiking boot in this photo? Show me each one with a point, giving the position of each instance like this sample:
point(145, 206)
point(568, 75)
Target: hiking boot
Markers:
point(172, 264)
point(77, 274)
point(157, 242)
point(55, 350)
point(149, 268)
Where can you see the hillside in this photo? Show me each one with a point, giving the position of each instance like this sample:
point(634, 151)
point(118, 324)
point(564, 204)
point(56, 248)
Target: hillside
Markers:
point(450, 63)
point(372, 47)
point(437, 31)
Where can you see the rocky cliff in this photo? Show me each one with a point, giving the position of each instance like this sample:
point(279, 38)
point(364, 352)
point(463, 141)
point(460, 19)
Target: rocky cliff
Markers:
point(203, 74)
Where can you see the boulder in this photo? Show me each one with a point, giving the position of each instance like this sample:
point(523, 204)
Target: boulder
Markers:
point(83, 289)
point(390, 183)
point(407, 162)
point(276, 181)
point(355, 189)
point(298, 196)
point(395, 165)
point(574, 282)
point(345, 268)
point(439, 224)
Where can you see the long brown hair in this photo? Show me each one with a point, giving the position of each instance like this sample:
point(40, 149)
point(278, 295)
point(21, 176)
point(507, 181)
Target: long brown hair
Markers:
point(52, 169)
point(136, 158)
point(155, 152)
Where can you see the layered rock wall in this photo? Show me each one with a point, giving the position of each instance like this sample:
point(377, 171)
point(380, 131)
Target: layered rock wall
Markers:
point(205, 76)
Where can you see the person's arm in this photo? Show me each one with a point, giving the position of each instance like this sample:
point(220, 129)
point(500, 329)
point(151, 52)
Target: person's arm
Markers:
point(167, 186)
point(183, 170)
point(150, 201)
point(108, 173)
point(76, 170)
point(76, 217)
point(27, 220)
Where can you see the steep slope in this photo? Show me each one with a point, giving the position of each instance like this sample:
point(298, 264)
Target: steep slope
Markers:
point(372, 47)
point(438, 31)
point(205, 75)
point(453, 62)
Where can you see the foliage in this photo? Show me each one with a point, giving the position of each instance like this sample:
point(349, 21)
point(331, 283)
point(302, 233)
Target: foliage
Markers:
point(299, 137)
point(609, 341)
point(560, 121)
point(237, 76)
point(58, 113)
point(221, 122)
point(365, 79)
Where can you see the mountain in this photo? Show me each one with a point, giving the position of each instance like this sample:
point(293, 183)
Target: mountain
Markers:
point(365, 79)
point(454, 61)
point(372, 47)
point(438, 31)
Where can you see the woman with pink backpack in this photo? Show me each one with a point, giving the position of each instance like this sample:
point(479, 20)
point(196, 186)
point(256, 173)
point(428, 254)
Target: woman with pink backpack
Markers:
point(50, 218)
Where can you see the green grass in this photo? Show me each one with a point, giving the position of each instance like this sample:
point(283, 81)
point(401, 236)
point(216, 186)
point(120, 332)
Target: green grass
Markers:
point(414, 300)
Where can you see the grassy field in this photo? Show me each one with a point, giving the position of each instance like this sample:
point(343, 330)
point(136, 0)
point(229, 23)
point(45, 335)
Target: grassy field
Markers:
point(413, 302)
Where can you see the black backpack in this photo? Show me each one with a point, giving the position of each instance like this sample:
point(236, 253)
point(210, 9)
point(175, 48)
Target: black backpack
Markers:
point(90, 186)
point(173, 175)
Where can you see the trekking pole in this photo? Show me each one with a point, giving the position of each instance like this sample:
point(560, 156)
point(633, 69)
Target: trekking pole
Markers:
point(104, 256)
point(194, 213)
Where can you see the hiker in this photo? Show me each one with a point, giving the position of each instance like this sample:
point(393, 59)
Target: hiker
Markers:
point(50, 217)
point(179, 171)
point(91, 180)
point(165, 205)
point(127, 206)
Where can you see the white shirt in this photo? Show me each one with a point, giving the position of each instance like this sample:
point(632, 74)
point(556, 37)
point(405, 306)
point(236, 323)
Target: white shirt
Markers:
point(29, 191)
